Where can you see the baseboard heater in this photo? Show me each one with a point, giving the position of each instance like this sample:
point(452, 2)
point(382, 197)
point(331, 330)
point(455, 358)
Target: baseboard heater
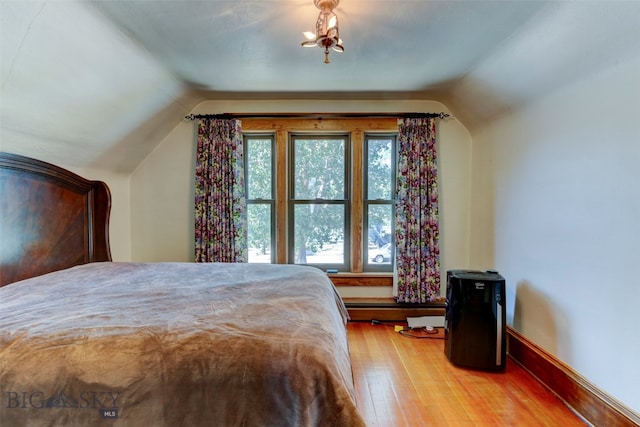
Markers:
point(424, 321)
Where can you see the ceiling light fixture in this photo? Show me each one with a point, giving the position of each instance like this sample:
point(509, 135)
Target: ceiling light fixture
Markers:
point(326, 34)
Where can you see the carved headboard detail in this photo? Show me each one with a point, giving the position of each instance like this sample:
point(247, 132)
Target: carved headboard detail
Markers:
point(50, 219)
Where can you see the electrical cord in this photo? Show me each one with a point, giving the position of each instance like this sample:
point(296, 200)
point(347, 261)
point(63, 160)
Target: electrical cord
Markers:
point(428, 333)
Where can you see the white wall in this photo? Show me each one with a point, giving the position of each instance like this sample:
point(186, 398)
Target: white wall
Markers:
point(162, 200)
point(162, 186)
point(556, 208)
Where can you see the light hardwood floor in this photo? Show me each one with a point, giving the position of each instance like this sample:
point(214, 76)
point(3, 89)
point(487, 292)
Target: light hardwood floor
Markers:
point(403, 381)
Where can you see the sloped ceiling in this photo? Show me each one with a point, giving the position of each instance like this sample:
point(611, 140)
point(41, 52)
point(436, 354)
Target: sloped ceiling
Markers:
point(100, 83)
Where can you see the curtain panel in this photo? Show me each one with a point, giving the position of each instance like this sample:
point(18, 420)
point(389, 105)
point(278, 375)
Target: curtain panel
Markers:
point(417, 267)
point(220, 203)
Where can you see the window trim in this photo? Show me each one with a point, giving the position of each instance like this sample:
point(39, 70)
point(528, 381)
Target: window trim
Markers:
point(368, 267)
point(292, 201)
point(260, 201)
point(281, 128)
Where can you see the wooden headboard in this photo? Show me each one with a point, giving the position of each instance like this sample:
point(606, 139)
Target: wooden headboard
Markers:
point(50, 219)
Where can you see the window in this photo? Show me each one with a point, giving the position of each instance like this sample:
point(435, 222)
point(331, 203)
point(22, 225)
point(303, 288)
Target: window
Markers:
point(260, 198)
point(320, 192)
point(379, 181)
point(319, 200)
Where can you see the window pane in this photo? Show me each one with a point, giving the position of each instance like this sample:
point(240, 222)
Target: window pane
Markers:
point(259, 169)
point(319, 169)
point(379, 173)
point(380, 249)
point(259, 232)
point(319, 234)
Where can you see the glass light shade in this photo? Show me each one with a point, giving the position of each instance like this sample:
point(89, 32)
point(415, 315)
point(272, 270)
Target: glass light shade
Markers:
point(333, 21)
point(310, 39)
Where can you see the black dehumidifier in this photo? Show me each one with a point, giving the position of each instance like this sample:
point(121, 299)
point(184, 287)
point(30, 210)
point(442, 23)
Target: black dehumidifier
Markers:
point(475, 320)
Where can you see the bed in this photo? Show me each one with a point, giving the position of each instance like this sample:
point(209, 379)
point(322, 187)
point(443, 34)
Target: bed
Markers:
point(87, 341)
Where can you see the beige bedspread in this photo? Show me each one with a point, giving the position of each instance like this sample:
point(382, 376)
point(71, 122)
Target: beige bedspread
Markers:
point(175, 344)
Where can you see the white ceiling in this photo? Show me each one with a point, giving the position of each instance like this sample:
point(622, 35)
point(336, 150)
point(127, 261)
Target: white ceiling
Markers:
point(97, 83)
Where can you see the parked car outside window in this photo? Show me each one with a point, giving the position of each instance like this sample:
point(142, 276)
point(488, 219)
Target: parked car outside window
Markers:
point(382, 254)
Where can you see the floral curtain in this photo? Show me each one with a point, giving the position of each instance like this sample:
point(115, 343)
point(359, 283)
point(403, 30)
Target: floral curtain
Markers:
point(417, 267)
point(220, 204)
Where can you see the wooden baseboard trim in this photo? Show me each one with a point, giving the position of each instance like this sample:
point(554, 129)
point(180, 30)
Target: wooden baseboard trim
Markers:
point(389, 314)
point(386, 309)
point(595, 406)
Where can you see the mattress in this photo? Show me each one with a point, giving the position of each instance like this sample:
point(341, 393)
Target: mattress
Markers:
point(175, 344)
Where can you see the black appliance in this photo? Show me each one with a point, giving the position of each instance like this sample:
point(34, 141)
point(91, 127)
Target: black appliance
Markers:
point(475, 320)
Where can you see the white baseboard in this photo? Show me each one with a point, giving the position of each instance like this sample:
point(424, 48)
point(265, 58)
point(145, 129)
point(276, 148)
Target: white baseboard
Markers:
point(424, 321)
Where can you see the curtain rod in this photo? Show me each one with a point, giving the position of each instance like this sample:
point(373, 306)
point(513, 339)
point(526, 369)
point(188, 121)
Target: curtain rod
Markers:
point(319, 116)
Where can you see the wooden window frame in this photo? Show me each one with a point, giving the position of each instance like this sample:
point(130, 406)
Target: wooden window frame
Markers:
point(377, 202)
point(261, 201)
point(345, 201)
point(356, 127)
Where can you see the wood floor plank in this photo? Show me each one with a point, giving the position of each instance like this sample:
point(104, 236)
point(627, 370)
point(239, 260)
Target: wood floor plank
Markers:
point(409, 382)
